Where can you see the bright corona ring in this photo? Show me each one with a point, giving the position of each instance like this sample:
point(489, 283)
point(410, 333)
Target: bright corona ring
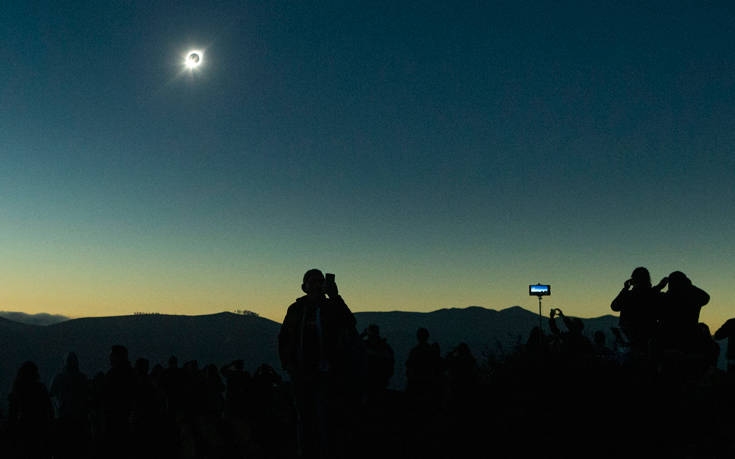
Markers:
point(193, 59)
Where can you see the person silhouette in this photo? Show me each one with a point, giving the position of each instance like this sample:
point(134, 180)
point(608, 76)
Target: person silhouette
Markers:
point(679, 319)
point(267, 410)
point(425, 397)
point(727, 330)
point(462, 372)
point(600, 344)
point(117, 403)
point(30, 414)
point(172, 384)
point(71, 390)
point(314, 346)
point(379, 360)
point(571, 343)
point(707, 347)
point(424, 370)
point(237, 382)
point(638, 303)
point(147, 413)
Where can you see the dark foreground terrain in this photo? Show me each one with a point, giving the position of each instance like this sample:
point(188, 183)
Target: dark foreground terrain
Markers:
point(551, 397)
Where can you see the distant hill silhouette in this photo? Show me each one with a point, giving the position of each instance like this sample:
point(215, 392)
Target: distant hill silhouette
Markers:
point(42, 318)
point(216, 338)
point(221, 338)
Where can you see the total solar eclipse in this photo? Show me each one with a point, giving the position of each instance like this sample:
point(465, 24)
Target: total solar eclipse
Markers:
point(193, 59)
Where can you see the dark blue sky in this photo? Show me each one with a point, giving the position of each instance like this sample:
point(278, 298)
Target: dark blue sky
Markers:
point(431, 154)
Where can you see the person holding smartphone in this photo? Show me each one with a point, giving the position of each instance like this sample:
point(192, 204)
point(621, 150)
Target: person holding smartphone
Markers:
point(679, 316)
point(315, 348)
point(639, 304)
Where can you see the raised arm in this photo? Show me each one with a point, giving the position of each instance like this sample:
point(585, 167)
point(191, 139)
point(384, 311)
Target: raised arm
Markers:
point(552, 322)
point(701, 297)
point(619, 302)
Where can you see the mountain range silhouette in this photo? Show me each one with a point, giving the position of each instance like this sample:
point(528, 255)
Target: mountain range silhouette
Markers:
point(223, 337)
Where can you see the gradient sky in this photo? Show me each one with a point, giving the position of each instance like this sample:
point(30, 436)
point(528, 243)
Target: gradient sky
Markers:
point(430, 154)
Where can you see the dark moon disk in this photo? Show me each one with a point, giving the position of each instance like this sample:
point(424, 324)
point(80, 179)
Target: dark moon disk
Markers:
point(194, 57)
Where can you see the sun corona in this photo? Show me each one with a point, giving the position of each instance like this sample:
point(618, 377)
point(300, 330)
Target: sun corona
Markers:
point(193, 59)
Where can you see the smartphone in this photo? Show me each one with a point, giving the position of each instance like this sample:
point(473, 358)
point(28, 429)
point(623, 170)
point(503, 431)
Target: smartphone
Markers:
point(539, 290)
point(329, 279)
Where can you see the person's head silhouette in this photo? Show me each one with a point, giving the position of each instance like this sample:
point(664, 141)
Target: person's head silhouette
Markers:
point(641, 277)
point(313, 283)
point(678, 281)
point(27, 373)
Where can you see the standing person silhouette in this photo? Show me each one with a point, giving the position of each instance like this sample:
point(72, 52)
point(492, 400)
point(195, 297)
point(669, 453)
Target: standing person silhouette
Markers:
point(117, 404)
point(315, 345)
point(571, 343)
point(682, 303)
point(727, 330)
point(638, 303)
point(71, 389)
point(379, 360)
point(424, 371)
point(30, 416)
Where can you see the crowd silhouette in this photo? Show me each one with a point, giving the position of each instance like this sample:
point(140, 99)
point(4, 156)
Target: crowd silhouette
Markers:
point(654, 391)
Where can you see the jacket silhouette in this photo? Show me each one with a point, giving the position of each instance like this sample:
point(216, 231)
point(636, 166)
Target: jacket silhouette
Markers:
point(681, 305)
point(318, 345)
point(639, 303)
point(379, 359)
point(424, 367)
point(315, 336)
